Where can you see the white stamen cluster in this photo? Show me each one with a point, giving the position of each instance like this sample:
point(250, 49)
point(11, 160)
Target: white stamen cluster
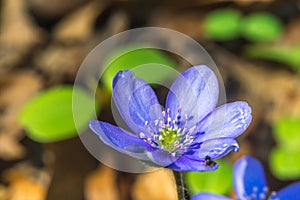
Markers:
point(169, 134)
point(264, 195)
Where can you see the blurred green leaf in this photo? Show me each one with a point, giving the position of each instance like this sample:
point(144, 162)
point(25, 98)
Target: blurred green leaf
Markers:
point(222, 24)
point(219, 181)
point(130, 57)
point(48, 117)
point(283, 54)
point(287, 133)
point(261, 27)
point(285, 164)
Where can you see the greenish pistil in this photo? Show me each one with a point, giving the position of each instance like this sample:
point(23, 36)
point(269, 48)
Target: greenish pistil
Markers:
point(169, 139)
point(168, 134)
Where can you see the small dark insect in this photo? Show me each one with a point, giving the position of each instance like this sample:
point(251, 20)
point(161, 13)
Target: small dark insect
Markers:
point(209, 162)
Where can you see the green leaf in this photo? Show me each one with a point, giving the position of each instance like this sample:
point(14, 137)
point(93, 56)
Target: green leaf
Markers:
point(285, 164)
point(48, 117)
point(287, 133)
point(261, 27)
point(222, 24)
point(219, 181)
point(146, 61)
point(289, 55)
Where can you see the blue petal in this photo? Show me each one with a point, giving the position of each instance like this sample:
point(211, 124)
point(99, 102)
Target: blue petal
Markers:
point(290, 192)
point(121, 140)
point(136, 102)
point(229, 120)
point(195, 92)
point(162, 158)
point(208, 196)
point(186, 164)
point(214, 148)
point(248, 177)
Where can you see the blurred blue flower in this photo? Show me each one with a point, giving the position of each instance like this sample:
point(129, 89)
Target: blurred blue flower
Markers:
point(186, 136)
point(250, 184)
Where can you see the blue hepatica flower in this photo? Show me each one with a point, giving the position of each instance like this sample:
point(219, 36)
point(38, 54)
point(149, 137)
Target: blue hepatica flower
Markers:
point(186, 136)
point(250, 184)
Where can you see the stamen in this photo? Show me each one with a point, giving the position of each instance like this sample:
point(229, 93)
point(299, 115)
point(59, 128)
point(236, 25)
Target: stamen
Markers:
point(142, 135)
point(163, 113)
point(169, 120)
point(168, 111)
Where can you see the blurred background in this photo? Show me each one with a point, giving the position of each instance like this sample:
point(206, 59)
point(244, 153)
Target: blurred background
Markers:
point(255, 44)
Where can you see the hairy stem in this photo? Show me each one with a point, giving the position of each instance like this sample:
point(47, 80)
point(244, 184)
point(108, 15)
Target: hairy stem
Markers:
point(180, 185)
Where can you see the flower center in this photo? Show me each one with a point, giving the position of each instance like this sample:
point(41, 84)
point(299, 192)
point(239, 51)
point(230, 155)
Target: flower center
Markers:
point(169, 139)
point(264, 195)
point(169, 134)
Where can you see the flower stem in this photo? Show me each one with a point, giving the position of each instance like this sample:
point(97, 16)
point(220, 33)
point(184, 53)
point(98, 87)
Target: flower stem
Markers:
point(181, 189)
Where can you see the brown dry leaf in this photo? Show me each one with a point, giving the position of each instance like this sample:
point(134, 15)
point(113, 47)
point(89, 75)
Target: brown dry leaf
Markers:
point(245, 2)
point(188, 22)
point(158, 185)
point(191, 6)
point(18, 33)
point(26, 183)
point(53, 9)
point(292, 32)
point(270, 92)
point(79, 25)
point(60, 62)
point(16, 89)
point(3, 192)
point(242, 1)
point(117, 22)
point(101, 184)
point(277, 88)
